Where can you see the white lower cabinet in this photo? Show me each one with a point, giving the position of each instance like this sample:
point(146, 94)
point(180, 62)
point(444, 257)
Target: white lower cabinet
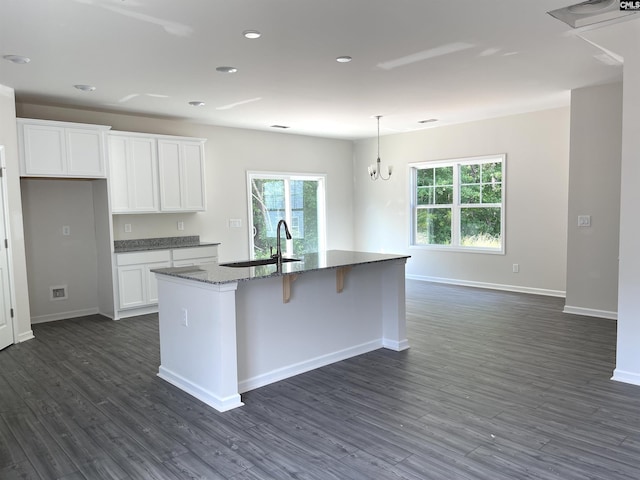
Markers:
point(131, 288)
point(137, 286)
point(137, 289)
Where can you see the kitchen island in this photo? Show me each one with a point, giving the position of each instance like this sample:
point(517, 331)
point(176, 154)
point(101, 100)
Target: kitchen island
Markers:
point(227, 330)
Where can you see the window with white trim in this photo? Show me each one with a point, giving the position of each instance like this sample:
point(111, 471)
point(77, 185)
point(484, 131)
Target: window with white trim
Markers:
point(459, 204)
point(297, 198)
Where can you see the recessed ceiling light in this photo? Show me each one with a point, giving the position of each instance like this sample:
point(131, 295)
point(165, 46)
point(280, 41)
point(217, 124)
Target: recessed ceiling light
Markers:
point(19, 59)
point(226, 69)
point(196, 103)
point(344, 59)
point(429, 120)
point(251, 34)
point(85, 88)
point(279, 126)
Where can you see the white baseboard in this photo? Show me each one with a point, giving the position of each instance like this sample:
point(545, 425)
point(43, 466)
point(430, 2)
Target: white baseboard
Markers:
point(491, 286)
point(24, 336)
point(110, 316)
point(134, 312)
point(590, 312)
point(398, 346)
point(302, 367)
point(220, 404)
point(626, 377)
point(64, 315)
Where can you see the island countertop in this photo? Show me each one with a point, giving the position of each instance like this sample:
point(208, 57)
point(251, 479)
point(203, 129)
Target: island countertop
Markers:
point(309, 262)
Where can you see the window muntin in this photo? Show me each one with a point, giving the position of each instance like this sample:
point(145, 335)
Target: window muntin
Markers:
point(459, 204)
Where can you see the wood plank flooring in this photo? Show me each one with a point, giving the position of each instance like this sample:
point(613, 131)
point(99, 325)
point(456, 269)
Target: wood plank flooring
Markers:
point(496, 386)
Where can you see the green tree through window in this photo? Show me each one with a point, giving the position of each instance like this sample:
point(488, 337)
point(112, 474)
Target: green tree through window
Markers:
point(297, 199)
point(459, 203)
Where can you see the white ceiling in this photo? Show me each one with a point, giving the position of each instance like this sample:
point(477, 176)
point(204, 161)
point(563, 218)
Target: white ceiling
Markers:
point(413, 60)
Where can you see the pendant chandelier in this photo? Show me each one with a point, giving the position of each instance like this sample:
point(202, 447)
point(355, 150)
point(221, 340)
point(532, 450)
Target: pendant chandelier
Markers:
point(375, 171)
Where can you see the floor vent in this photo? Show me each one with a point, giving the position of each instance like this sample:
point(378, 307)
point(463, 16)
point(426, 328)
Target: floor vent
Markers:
point(59, 292)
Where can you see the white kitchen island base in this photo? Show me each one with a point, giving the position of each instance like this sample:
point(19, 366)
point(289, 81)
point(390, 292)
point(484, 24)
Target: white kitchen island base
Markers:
point(218, 340)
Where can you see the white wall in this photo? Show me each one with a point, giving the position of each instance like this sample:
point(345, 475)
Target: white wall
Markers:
point(229, 154)
point(594, 189)
point(54, 259)
point(537, 149)
point(623, 39)
point(9, 138)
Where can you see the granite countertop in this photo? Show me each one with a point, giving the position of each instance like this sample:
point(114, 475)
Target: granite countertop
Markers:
point(309, 262)
point(163, 243)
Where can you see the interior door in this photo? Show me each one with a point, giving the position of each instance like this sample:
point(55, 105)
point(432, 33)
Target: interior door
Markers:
point(6, 322)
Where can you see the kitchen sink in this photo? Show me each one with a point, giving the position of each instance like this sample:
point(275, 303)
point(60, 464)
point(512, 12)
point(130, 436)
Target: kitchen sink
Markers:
point(257, 263)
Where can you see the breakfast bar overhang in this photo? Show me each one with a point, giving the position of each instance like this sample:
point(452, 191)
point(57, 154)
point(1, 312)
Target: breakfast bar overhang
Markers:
point(227, 330)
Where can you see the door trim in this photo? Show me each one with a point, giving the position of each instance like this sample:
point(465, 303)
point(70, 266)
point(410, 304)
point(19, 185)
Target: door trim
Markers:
point(7, 230)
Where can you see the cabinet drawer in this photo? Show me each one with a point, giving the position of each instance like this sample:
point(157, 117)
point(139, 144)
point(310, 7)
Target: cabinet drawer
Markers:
point(194, 253)
point(136, 258)
point(196, 261)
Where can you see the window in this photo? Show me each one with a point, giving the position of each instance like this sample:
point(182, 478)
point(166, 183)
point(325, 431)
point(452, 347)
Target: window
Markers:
point(299, 200)
point(459, 204)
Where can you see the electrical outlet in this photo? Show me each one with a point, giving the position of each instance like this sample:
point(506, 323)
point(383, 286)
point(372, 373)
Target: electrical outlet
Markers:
point(516, 268)
point(584, 220)
point(66, 230)
point(127, 228)
point(180, 225)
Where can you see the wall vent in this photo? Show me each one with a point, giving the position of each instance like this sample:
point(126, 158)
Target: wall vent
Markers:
point(58, 292)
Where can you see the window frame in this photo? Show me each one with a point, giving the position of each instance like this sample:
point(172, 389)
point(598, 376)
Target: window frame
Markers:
point(287, 245)
point(456, 206)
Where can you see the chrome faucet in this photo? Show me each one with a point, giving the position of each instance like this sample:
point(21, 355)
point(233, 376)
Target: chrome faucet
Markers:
point(278, 254)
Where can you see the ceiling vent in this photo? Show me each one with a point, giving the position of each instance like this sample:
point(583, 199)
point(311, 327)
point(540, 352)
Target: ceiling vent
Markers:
point(590, 12)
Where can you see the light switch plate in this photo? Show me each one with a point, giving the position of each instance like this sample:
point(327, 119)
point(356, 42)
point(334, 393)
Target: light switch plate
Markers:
point(235, 222)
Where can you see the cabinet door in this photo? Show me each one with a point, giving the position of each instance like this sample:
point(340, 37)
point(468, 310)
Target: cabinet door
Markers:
point(44, 150)
point(152, 282)
point(133, 174)
point(118, 177)
point(132, 288)
point(170, 174)
point(143, 175)
point(193, 173)
point(85, 153)
point(181, 172)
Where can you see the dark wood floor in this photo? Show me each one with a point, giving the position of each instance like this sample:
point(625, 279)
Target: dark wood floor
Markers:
point(495, 386)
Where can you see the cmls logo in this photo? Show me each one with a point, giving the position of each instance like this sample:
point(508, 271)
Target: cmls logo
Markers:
point(634, 5)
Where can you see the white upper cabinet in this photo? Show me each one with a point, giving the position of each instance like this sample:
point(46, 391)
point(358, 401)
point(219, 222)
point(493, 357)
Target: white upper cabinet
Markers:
point(133, 173)
point(156, 173)
point(61, 149)
point(181, 169)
